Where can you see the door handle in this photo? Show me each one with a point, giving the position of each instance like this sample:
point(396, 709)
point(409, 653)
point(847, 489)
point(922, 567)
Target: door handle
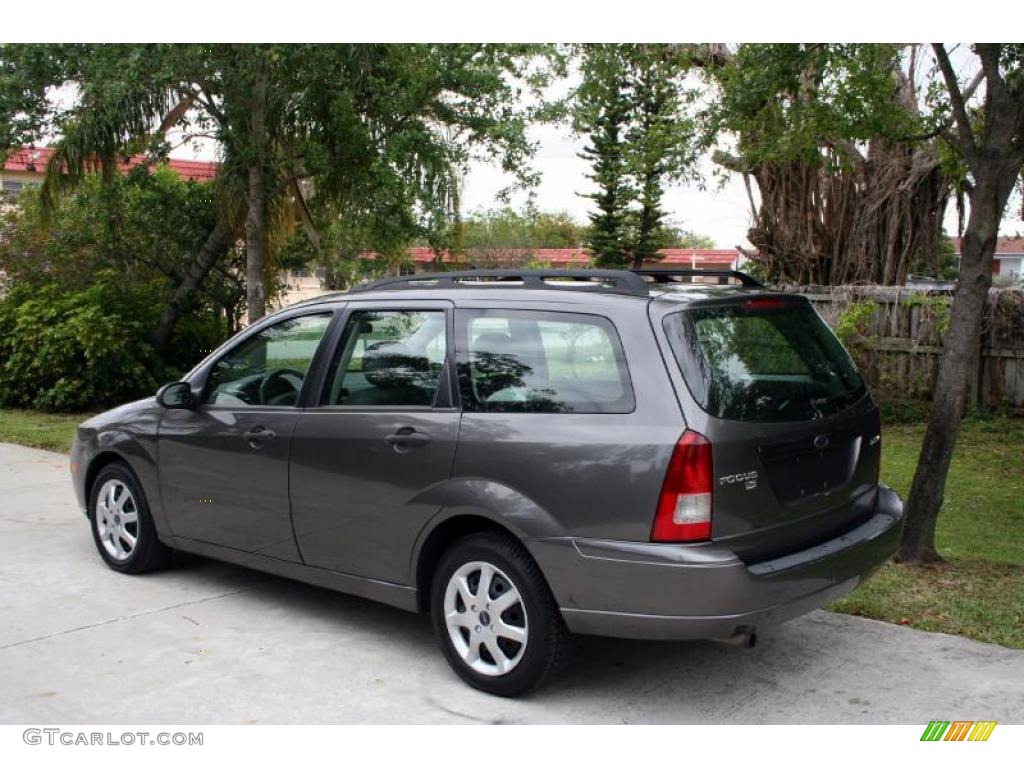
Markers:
point(256, 436)
point(407, 437)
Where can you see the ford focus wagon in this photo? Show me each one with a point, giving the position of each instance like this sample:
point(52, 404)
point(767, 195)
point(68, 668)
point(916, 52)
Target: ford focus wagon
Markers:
point(524, 455)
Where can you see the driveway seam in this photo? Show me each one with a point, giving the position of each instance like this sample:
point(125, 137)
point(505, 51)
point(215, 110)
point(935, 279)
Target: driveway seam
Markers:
point(132, 616)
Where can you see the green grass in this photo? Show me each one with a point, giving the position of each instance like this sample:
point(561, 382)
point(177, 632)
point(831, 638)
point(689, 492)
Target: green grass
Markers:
point(979, 591)
point(50, 431)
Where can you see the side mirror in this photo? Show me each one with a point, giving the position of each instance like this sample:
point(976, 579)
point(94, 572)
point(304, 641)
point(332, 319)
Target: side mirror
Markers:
point(177, 394)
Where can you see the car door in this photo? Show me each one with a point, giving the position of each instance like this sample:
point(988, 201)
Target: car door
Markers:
point(224, 464)
point(369, 463)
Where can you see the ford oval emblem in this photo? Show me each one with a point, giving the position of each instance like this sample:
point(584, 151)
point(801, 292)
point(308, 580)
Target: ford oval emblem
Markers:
point(821, 442)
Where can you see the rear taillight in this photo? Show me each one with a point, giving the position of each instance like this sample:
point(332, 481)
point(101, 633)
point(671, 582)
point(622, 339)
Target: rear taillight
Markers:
point(684, 507)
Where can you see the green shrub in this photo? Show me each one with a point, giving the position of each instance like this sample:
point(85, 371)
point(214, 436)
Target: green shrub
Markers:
point(84, 292)
point(852, 323)
point(67, 351)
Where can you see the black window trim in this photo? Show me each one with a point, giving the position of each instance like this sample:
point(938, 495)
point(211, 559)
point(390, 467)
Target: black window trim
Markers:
point(678, 365)
point(446, 398)
point(200, 377)
point(464, 313)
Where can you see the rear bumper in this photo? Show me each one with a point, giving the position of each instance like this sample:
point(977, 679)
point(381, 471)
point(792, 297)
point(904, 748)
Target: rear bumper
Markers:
point(684, 592)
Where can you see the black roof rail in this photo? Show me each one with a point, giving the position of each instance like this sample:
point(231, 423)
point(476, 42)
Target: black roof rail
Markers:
point(665, 275)
point(610, 280)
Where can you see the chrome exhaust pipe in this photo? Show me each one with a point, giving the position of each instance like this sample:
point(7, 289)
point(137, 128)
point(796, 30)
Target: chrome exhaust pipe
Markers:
point(744, 638)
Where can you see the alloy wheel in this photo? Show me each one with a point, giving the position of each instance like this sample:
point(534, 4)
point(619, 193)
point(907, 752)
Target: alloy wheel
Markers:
point(486, 618)
point(117, 520)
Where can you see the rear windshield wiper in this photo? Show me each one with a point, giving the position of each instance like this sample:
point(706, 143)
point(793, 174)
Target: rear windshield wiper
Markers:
point(817, 402)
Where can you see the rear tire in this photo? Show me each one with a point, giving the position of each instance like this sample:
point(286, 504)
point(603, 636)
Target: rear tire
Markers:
point(121, 523)
point(499, 626)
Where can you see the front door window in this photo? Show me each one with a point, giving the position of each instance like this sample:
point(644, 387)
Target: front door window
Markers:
point(268, 368)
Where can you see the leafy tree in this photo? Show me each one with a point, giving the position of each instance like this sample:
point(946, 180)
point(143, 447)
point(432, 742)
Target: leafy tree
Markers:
point(161, 220)
point(530, 229)
point(679, 237)
point(556, 230)
point(506, 237)
point(852, 185)
point(984, 129)
point(855, 165)
point(604, 114)
point(396, 122)
point(80, 297)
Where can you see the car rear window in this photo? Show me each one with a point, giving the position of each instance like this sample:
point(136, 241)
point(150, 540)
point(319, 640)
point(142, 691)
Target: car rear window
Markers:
point(763, 360)
point(541, 362)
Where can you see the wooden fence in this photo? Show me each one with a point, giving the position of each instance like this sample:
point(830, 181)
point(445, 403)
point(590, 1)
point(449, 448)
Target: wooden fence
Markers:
point(897, 339)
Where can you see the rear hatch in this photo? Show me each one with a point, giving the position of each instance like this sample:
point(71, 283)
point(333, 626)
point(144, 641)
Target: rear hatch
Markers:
point(794, 434)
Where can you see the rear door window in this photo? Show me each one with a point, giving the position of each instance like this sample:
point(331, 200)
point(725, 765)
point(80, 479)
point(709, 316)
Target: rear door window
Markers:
point(541, 362)
point(389, 358)
point(763, 360)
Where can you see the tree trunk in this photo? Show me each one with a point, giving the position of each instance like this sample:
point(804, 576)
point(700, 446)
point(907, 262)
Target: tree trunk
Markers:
point(256, 218)
point(214, 248)
point(255, 247)
point(827, 224)
point(959, 355)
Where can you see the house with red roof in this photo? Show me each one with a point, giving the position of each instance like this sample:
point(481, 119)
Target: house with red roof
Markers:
point(425, 260)
point(1008, 261)
point(27, 166)
point(301, 285)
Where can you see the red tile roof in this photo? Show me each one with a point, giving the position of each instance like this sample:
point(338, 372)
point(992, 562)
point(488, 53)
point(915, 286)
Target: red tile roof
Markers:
point(685, 257)
point(34, 159)
point(1005, 246)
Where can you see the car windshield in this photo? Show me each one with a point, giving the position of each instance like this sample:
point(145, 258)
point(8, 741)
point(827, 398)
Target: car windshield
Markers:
point(763, 360)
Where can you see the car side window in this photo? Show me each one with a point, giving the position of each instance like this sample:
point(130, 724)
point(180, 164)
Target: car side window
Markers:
point(389, 358)
point(541, 362)
point(269, 367)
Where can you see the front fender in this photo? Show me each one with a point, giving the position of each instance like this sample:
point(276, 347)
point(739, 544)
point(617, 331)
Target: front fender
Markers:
point(128, 434)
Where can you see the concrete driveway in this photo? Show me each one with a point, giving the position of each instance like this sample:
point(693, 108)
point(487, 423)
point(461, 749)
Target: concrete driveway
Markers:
point(213, 643)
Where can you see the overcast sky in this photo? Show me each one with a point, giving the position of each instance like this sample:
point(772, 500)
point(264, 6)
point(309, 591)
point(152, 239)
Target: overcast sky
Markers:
point(723, 213)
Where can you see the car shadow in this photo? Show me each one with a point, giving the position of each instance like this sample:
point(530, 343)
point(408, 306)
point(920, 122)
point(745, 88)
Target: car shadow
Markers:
point(600, 665)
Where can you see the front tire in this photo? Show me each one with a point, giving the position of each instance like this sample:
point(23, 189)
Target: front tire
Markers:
point(121, 523)
point(499, 626)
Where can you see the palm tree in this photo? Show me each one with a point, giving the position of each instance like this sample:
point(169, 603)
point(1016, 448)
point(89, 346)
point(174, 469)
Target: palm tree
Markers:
point(376, 129)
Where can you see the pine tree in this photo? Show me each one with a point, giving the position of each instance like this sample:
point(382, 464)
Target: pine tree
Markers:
point(630, 105)
point(652, 105)
point(608, 225)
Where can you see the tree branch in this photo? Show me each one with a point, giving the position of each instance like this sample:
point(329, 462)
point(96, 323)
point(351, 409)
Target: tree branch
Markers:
point(964, 136)
point(172, 117)
point(989, 55)
point(972, 86)
point(730, 161)
point(307, 218)
point(849, 150)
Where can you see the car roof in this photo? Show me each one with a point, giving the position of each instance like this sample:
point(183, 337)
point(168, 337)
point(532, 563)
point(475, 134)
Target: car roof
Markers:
point(591, 287)
point(674, 294)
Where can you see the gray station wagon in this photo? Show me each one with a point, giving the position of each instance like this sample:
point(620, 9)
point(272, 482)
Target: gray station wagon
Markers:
point(655, 454)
